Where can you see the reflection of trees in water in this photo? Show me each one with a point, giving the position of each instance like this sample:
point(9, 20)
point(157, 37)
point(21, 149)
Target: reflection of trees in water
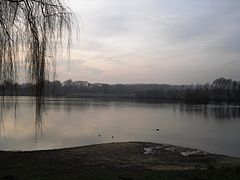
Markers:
point(81, 105)
point(2, 127)
point(11, 104)
point(195, 110)
point(226, 112)
point(220, 112)
point(39, 111)
point(6, 105)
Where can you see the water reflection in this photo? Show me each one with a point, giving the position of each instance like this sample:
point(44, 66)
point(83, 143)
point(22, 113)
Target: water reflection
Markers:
point(2, 129)
point(218, 112)
point(56, 123)
point(5, 108)
point(10, 105)
point(39, 121)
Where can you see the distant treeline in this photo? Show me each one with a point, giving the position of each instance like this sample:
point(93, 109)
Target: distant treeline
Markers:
point(220, 91)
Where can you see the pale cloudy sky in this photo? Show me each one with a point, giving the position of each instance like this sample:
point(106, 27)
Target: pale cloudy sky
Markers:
point(155, 41)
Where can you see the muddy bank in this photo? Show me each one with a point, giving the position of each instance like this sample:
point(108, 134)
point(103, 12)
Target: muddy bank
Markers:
point(107, 160)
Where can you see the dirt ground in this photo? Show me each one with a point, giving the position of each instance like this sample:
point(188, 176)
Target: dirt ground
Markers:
point(130, 160)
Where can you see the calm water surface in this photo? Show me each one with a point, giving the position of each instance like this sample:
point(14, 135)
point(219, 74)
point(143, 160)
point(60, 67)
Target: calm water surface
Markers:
point(76, 122)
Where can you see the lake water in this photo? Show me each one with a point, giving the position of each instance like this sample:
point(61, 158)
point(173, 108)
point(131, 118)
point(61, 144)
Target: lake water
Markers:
point(76, 122)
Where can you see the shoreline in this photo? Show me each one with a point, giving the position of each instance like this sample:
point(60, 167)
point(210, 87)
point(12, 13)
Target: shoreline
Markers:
point(124, 158)
point(85, 146)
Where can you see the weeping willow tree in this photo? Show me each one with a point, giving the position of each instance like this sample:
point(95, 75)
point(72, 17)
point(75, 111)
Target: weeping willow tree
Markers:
point(31, 31)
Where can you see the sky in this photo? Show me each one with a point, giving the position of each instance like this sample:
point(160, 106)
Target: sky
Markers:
point(154, 41)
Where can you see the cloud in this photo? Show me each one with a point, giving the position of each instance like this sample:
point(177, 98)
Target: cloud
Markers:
point(178, 41)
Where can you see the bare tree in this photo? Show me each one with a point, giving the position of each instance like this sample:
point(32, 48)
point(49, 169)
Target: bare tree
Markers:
point(30, 31)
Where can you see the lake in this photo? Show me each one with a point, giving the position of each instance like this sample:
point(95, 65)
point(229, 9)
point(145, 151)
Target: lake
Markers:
point(77, 122)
